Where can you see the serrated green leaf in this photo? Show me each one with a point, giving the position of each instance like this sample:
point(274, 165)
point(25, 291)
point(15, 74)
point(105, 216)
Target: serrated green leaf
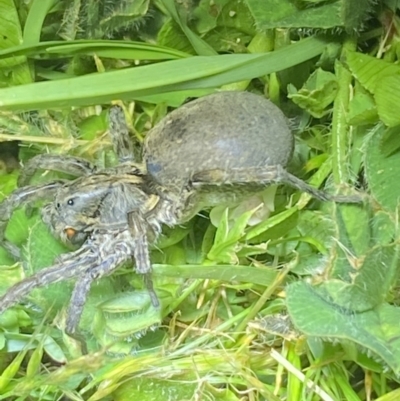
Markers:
point(387, 97)
point(235, 15)
point(228, 40)
point(171, 35)
point(125, 317)
point(362, 110)
point(390, 141)
point(383, 228)
point(206, 14)
point(370, 280)
point(125, 15)
point(353, 228)
point(199, 45)
point(382, 172)
point(369, 71)
point(40, 251)
point(316, 94)
point(348, 14)
point(41, 247)
point(270, 14)
point(376, 330)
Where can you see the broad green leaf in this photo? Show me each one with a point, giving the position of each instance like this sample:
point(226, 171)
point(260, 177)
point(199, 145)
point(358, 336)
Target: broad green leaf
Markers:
point(13, 71)
point(171, 35)
point(35, 254)
point(235, 15)
point(127, 14)
point(228, 40)
point(316, 94)
point(370, 280)
point(206, 14)
point(307, 2)
point(40, 250)
point(390, 141)
point(361, 269)
point(376, 330)
point(132, 83)
point(348, 14)
point(120, 321)
point(362, 110)
point(382, 172)
point(383, 229)
point(319, 227)
point(227, 237)
point(353, 228)
point(201, 47)
point(369, 71)
point(387, 97)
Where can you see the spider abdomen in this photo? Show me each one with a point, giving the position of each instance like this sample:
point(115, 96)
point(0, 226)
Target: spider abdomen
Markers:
point(225, 130)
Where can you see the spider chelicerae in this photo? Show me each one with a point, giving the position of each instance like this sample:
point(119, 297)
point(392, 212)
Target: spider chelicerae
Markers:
point(213, 150)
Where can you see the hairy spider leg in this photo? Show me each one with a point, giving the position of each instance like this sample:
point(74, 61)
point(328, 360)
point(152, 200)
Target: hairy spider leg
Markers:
point(18, 198)
point(72, 265)
point(83, 264)
point(81, 290)
point(266, 175)
point(138, 229)
point(66, 164)
point(119, 133)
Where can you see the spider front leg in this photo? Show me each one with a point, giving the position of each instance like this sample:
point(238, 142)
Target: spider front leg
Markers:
point(265, 176)
point(70, 267)
point(65, 164)
point(82, 288)
point(138, 228)
point(119, 133)
point(83, 264)
point(18, 198)
point(77, 302)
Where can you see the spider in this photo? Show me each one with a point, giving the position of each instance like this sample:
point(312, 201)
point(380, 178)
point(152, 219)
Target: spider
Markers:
point(219, 148)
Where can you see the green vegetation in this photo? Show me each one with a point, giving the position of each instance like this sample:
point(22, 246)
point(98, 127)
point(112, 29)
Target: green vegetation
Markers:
point(300, 306)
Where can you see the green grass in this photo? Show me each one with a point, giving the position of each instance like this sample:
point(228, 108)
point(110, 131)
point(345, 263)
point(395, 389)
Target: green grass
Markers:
point(300, 306)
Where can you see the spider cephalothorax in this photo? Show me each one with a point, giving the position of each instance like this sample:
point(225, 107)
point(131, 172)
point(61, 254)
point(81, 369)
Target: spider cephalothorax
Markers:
point(216, 149)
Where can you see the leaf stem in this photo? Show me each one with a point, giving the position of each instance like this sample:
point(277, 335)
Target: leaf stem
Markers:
point(340, 127)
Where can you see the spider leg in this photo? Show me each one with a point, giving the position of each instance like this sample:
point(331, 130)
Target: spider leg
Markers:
point(82, 288)
point(264, 176)
point(138, 229)
point(86, 264)
point(119, 133)
point(68, 268)
point(20, 197)
point(77, 302)
point(66, 164)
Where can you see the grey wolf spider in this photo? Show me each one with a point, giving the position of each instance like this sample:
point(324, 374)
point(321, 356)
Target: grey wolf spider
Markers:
point(218, 148)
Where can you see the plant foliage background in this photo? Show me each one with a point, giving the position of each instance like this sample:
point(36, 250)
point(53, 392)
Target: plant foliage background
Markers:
point(302, 305)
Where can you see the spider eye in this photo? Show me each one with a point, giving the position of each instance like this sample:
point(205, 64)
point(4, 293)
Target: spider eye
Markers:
point(58, 205)
point(70, 202)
